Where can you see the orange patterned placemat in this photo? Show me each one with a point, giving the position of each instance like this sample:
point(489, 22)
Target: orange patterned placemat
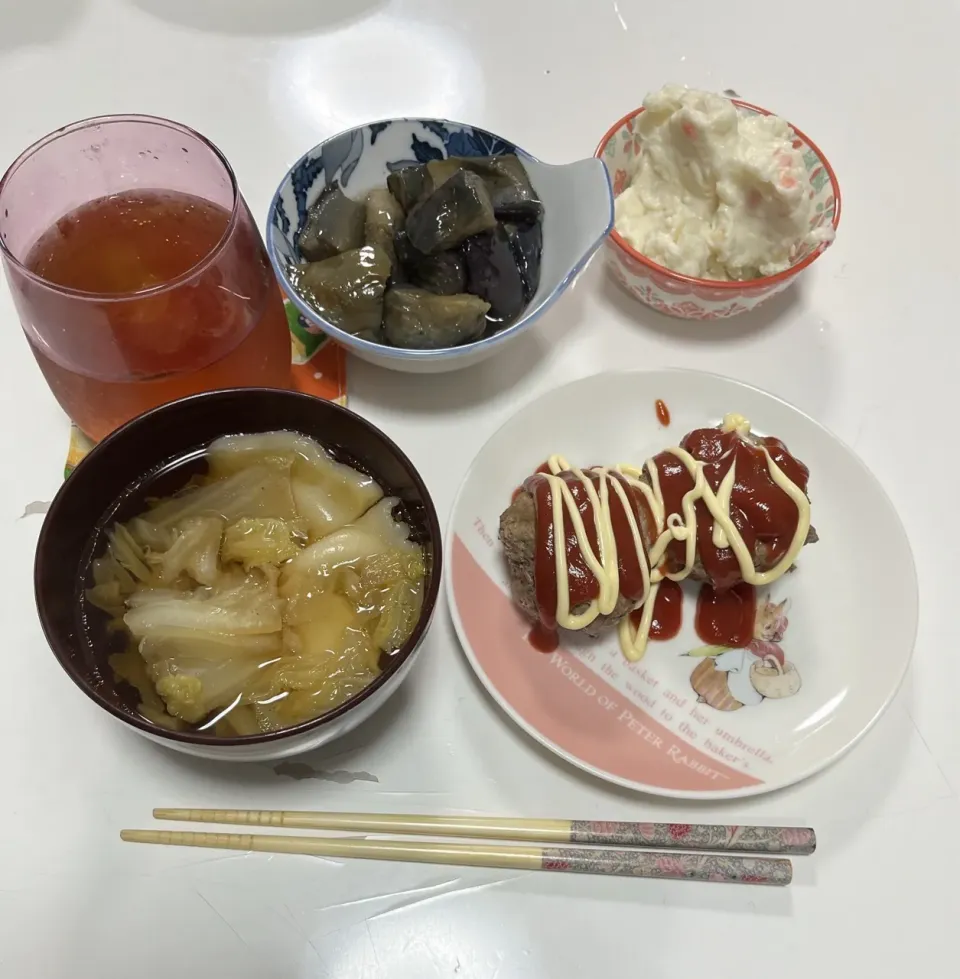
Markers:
point(319, 367)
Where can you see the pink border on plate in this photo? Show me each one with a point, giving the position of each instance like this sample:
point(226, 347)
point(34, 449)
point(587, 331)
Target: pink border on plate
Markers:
point(567, 703)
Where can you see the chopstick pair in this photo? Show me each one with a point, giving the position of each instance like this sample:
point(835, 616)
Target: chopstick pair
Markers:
point(593, 855)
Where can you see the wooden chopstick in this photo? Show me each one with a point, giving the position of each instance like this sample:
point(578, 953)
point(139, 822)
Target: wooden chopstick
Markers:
point(797, 841)
point(579, 860)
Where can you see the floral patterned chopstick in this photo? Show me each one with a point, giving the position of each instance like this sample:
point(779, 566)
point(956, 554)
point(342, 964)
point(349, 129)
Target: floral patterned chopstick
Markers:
point(788, 840)
point(578, 860)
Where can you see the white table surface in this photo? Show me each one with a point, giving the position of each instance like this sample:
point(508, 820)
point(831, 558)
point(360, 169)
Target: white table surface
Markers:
point(868, 344)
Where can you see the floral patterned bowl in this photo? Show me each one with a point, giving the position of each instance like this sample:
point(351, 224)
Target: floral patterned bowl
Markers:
point(707, 299)
point(577, 215)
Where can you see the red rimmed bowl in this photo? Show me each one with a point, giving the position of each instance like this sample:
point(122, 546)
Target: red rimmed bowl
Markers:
point(708, 299)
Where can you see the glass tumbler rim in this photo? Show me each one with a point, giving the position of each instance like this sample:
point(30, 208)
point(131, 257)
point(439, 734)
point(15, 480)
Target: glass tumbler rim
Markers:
point(89, 123)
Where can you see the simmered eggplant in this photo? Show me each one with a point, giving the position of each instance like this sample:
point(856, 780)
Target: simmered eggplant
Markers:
point(408, 185)
point(384, 218)
point(443, 273)
point(527, 243)
point(458, 208)
point(449, 251)
point(511, 192)
point(493, 274)
point(347, 290)
point(420, 320)
point(440, 170)
point(334, 225)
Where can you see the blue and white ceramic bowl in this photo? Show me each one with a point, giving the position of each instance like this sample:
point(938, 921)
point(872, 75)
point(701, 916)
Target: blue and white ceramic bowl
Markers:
point(577, 203)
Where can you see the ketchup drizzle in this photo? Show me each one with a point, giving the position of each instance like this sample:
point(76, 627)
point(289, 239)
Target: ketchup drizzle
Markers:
point(726, 618)
point(760, 510)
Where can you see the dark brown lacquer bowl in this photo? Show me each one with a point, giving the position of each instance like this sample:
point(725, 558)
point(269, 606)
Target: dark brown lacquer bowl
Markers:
point(94, 494)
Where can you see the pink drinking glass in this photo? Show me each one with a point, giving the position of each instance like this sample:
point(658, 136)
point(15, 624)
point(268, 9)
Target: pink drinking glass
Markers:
point(108, 356)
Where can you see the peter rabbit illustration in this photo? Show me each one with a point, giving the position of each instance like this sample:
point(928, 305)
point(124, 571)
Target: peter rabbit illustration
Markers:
point(728, 679)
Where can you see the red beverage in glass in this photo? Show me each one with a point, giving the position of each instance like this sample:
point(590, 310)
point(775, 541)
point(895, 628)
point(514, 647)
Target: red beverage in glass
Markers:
point(138, 273)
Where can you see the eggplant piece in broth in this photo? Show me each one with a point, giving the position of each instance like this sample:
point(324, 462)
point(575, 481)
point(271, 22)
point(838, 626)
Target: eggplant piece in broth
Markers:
point(511, 192)
point(384, 218)
point(527, 243)
point(419, 320)
point(408, 185)
point(439, 171)
point(510, 189)
point(458, 208)
point(443, 273)
point(347, 290)
point(493, 275)
point(334, 225)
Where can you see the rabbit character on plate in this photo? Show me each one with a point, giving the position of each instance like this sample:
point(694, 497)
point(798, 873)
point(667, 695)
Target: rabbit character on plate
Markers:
point(728, 679)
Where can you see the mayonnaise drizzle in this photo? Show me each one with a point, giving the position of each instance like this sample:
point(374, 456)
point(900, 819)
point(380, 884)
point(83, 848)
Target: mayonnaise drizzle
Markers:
point(604, 565)
point(669, 527)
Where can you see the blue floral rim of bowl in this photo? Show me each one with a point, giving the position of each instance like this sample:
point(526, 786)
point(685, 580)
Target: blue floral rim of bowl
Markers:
point(360, 157)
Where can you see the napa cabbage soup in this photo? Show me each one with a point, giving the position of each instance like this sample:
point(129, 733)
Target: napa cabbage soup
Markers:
point(265, 592)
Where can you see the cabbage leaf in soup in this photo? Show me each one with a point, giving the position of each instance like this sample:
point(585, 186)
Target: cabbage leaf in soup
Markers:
point(328, 494)
point(263, 594)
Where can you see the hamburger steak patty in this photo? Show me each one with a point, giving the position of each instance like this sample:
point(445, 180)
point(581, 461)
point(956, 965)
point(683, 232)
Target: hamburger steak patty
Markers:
point(518, 532)
point(762, 558)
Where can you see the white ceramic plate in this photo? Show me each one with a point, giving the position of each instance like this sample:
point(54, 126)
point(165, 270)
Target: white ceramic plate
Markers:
point(848, 626)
